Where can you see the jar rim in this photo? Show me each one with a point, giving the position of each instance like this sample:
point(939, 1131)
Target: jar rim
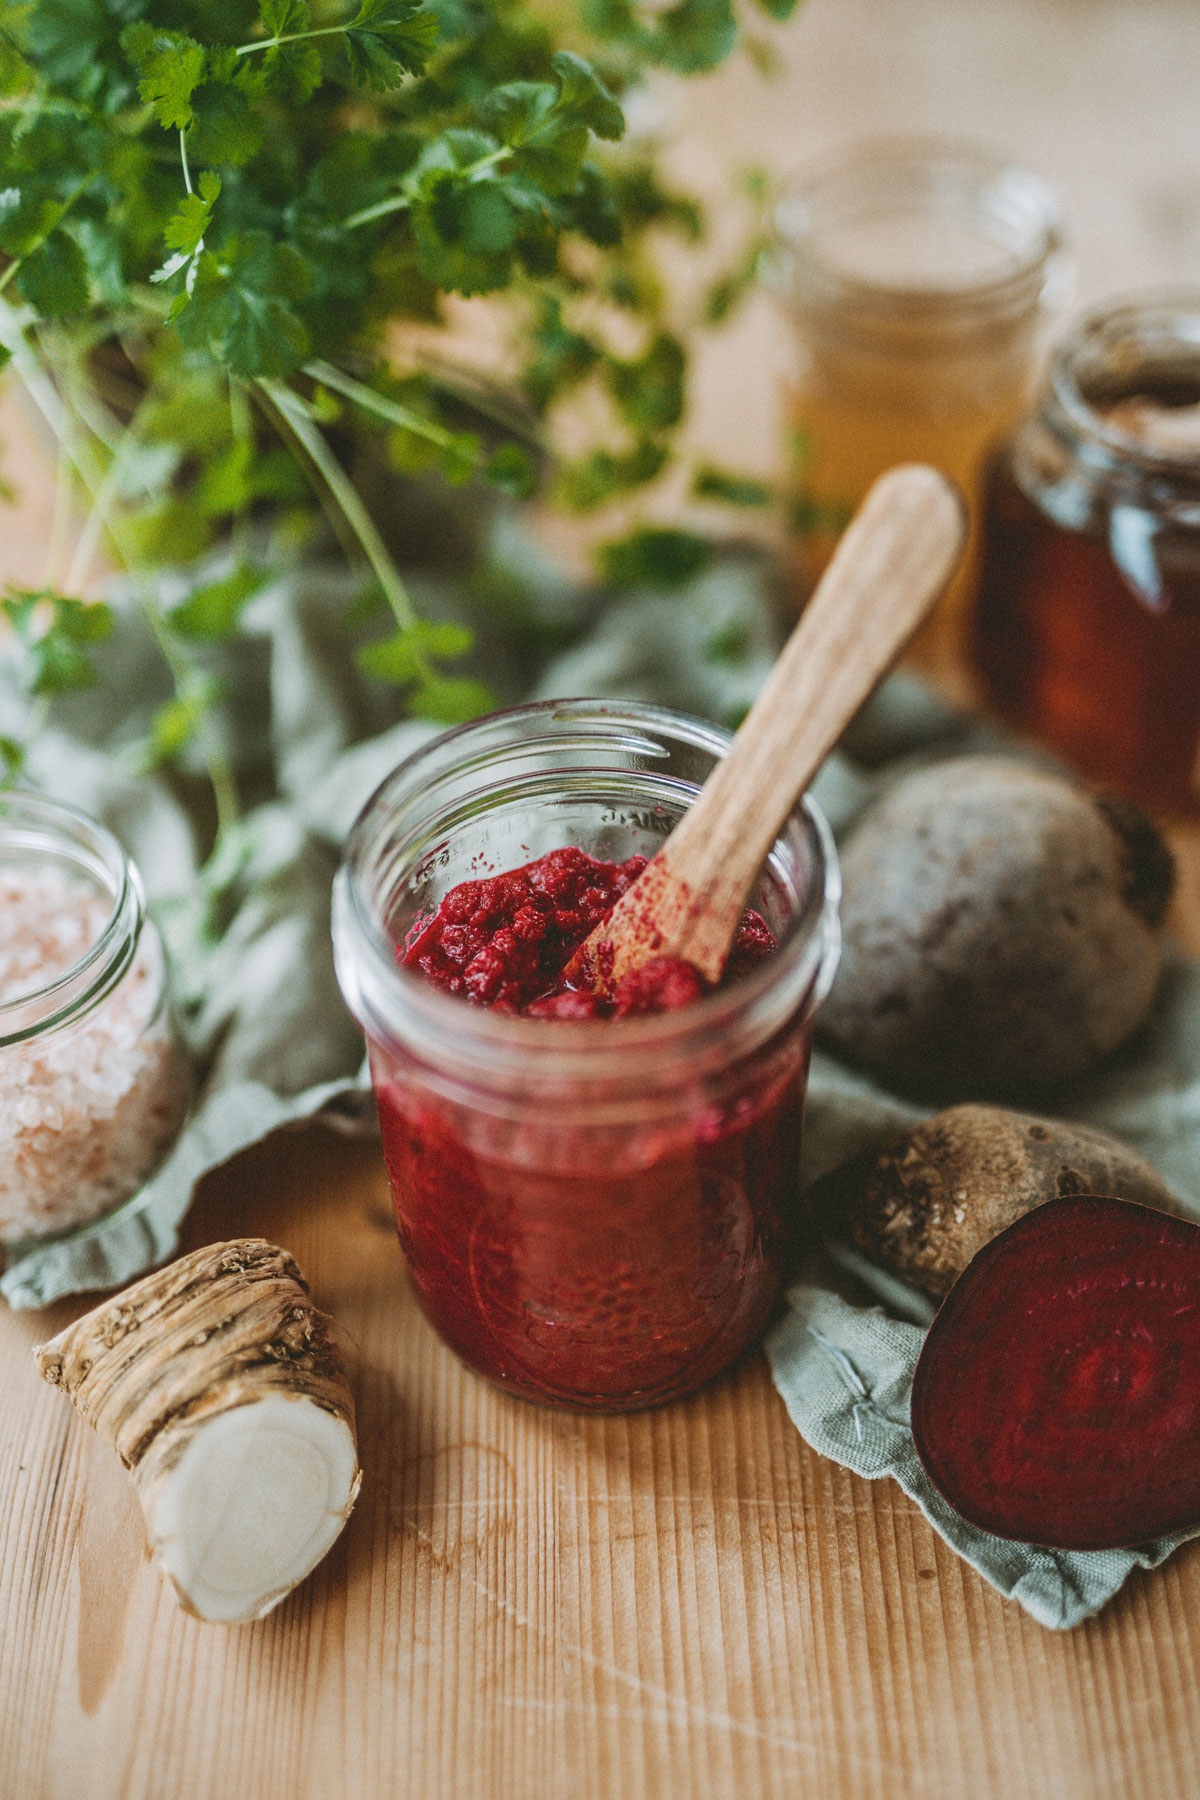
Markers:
point(1122, 326)
point(379, 990)
point(886, 176)
point(58, 831)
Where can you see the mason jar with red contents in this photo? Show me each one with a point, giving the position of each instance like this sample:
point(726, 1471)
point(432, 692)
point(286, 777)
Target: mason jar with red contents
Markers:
point(598, 1214)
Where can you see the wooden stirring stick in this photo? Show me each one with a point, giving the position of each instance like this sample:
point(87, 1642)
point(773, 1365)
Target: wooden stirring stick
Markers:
point(895, 559)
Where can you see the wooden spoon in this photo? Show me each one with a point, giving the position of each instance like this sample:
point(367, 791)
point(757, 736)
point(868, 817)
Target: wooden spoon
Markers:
point(894, 560)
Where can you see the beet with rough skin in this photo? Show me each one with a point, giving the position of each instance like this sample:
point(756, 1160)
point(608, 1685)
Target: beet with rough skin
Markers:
point(1057, 1396)
point(1000, 931)
point(927, 1202)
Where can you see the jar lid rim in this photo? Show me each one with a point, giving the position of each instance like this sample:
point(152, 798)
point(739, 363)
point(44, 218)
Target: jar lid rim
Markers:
point(938, 162)
point(1123, 319)
point(61, 831)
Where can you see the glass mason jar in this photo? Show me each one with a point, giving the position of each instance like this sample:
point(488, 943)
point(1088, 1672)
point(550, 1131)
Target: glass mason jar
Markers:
point(595, 1214)
point(918, 275)
point(93, 1083)
point(1088, 620)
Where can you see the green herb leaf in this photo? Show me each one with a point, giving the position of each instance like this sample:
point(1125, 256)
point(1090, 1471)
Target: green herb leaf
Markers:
point(170, 66)
point(178, 722)
point(280, 18)
point(461, 458)
point(212, 612)
point(192, 217)
point(696, 35)
point(55, 632)
point(292, 70)
point(562, 357)
point(227, 129)
point(53, 277)
point(510, 468)
point(584, 96)
point(465, 231)
point(649, 390)
point(239, 309)
point(730, 644)
point(406, 655)
point(16, 75)
point(603, 476)
point(451, 701)
point(711, 483)
point(387, 40)
point(655, 556)
point(13, 755)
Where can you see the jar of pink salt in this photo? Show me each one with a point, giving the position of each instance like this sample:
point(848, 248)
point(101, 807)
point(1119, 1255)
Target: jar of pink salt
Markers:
point(93, 1082)
point(597, 1212)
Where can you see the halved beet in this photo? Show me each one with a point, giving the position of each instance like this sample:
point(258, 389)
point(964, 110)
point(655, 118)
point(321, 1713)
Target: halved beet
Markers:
point(1057, 1396)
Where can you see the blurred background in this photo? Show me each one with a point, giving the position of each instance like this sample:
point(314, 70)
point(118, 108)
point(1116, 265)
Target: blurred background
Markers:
point(1098, 96)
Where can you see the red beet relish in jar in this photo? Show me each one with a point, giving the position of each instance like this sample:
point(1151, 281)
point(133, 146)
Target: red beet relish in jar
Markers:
point(504, 942)
point(595, 1216)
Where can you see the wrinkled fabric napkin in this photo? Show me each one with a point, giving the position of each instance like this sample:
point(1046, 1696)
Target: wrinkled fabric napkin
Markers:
point(311, 737)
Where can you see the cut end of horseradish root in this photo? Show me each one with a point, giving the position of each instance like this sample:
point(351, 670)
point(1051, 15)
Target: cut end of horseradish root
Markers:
point(218, 1384)
point(252, 1505)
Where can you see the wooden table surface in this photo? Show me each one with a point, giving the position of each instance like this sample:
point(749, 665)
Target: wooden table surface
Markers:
point(685, 1603)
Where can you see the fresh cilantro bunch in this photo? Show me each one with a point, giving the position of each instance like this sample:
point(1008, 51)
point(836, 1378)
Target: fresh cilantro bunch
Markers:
point(228, 230)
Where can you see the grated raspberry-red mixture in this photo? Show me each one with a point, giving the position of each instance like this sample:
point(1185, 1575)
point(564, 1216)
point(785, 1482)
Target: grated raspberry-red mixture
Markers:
point(504, 942)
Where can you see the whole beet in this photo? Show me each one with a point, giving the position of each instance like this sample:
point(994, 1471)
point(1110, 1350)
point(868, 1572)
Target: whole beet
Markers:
point(1000, 930)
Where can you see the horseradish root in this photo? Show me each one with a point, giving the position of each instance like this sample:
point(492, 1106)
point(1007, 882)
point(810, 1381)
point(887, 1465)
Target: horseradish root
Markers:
point(218, 1384)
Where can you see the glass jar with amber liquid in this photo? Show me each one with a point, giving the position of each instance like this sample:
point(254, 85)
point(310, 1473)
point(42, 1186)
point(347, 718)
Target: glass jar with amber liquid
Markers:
point(1087, 631)
point(918, 275)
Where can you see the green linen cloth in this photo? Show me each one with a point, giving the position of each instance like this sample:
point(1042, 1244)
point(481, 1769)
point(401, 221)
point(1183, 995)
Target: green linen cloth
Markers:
point(253, 973)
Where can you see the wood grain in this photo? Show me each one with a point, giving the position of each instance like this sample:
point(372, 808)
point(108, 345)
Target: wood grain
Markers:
point(687, 1604)
point(683, 1603)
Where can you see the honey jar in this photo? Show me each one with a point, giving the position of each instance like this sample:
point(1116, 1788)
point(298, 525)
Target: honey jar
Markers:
point(1087, 631)
point(918, 275)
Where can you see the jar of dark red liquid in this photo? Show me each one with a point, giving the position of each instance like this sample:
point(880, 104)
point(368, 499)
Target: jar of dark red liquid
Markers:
point(595, 1213)
point(1088, 621)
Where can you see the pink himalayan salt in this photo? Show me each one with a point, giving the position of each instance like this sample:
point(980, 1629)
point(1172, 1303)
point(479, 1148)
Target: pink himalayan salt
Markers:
point(88, 1109)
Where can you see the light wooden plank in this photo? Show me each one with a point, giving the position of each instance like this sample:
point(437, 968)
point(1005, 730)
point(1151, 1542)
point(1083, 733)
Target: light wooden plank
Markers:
point(681, 1603)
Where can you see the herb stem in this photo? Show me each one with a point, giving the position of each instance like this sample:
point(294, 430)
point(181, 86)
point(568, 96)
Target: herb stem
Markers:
point(392, 410)
point(380, 210)
point(55, 222)
point(50, 404)
point(401, 202)
point(292, 37)
point(187, 173)
point(241, 425)
point(60, 518)
point(342, 489)
point(100, 513)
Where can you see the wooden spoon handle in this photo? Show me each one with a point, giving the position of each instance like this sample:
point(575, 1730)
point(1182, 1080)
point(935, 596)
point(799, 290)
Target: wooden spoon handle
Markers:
point(894, 560)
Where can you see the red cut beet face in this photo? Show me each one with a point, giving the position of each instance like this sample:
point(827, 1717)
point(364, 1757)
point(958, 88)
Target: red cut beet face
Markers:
point(1057, 1396)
